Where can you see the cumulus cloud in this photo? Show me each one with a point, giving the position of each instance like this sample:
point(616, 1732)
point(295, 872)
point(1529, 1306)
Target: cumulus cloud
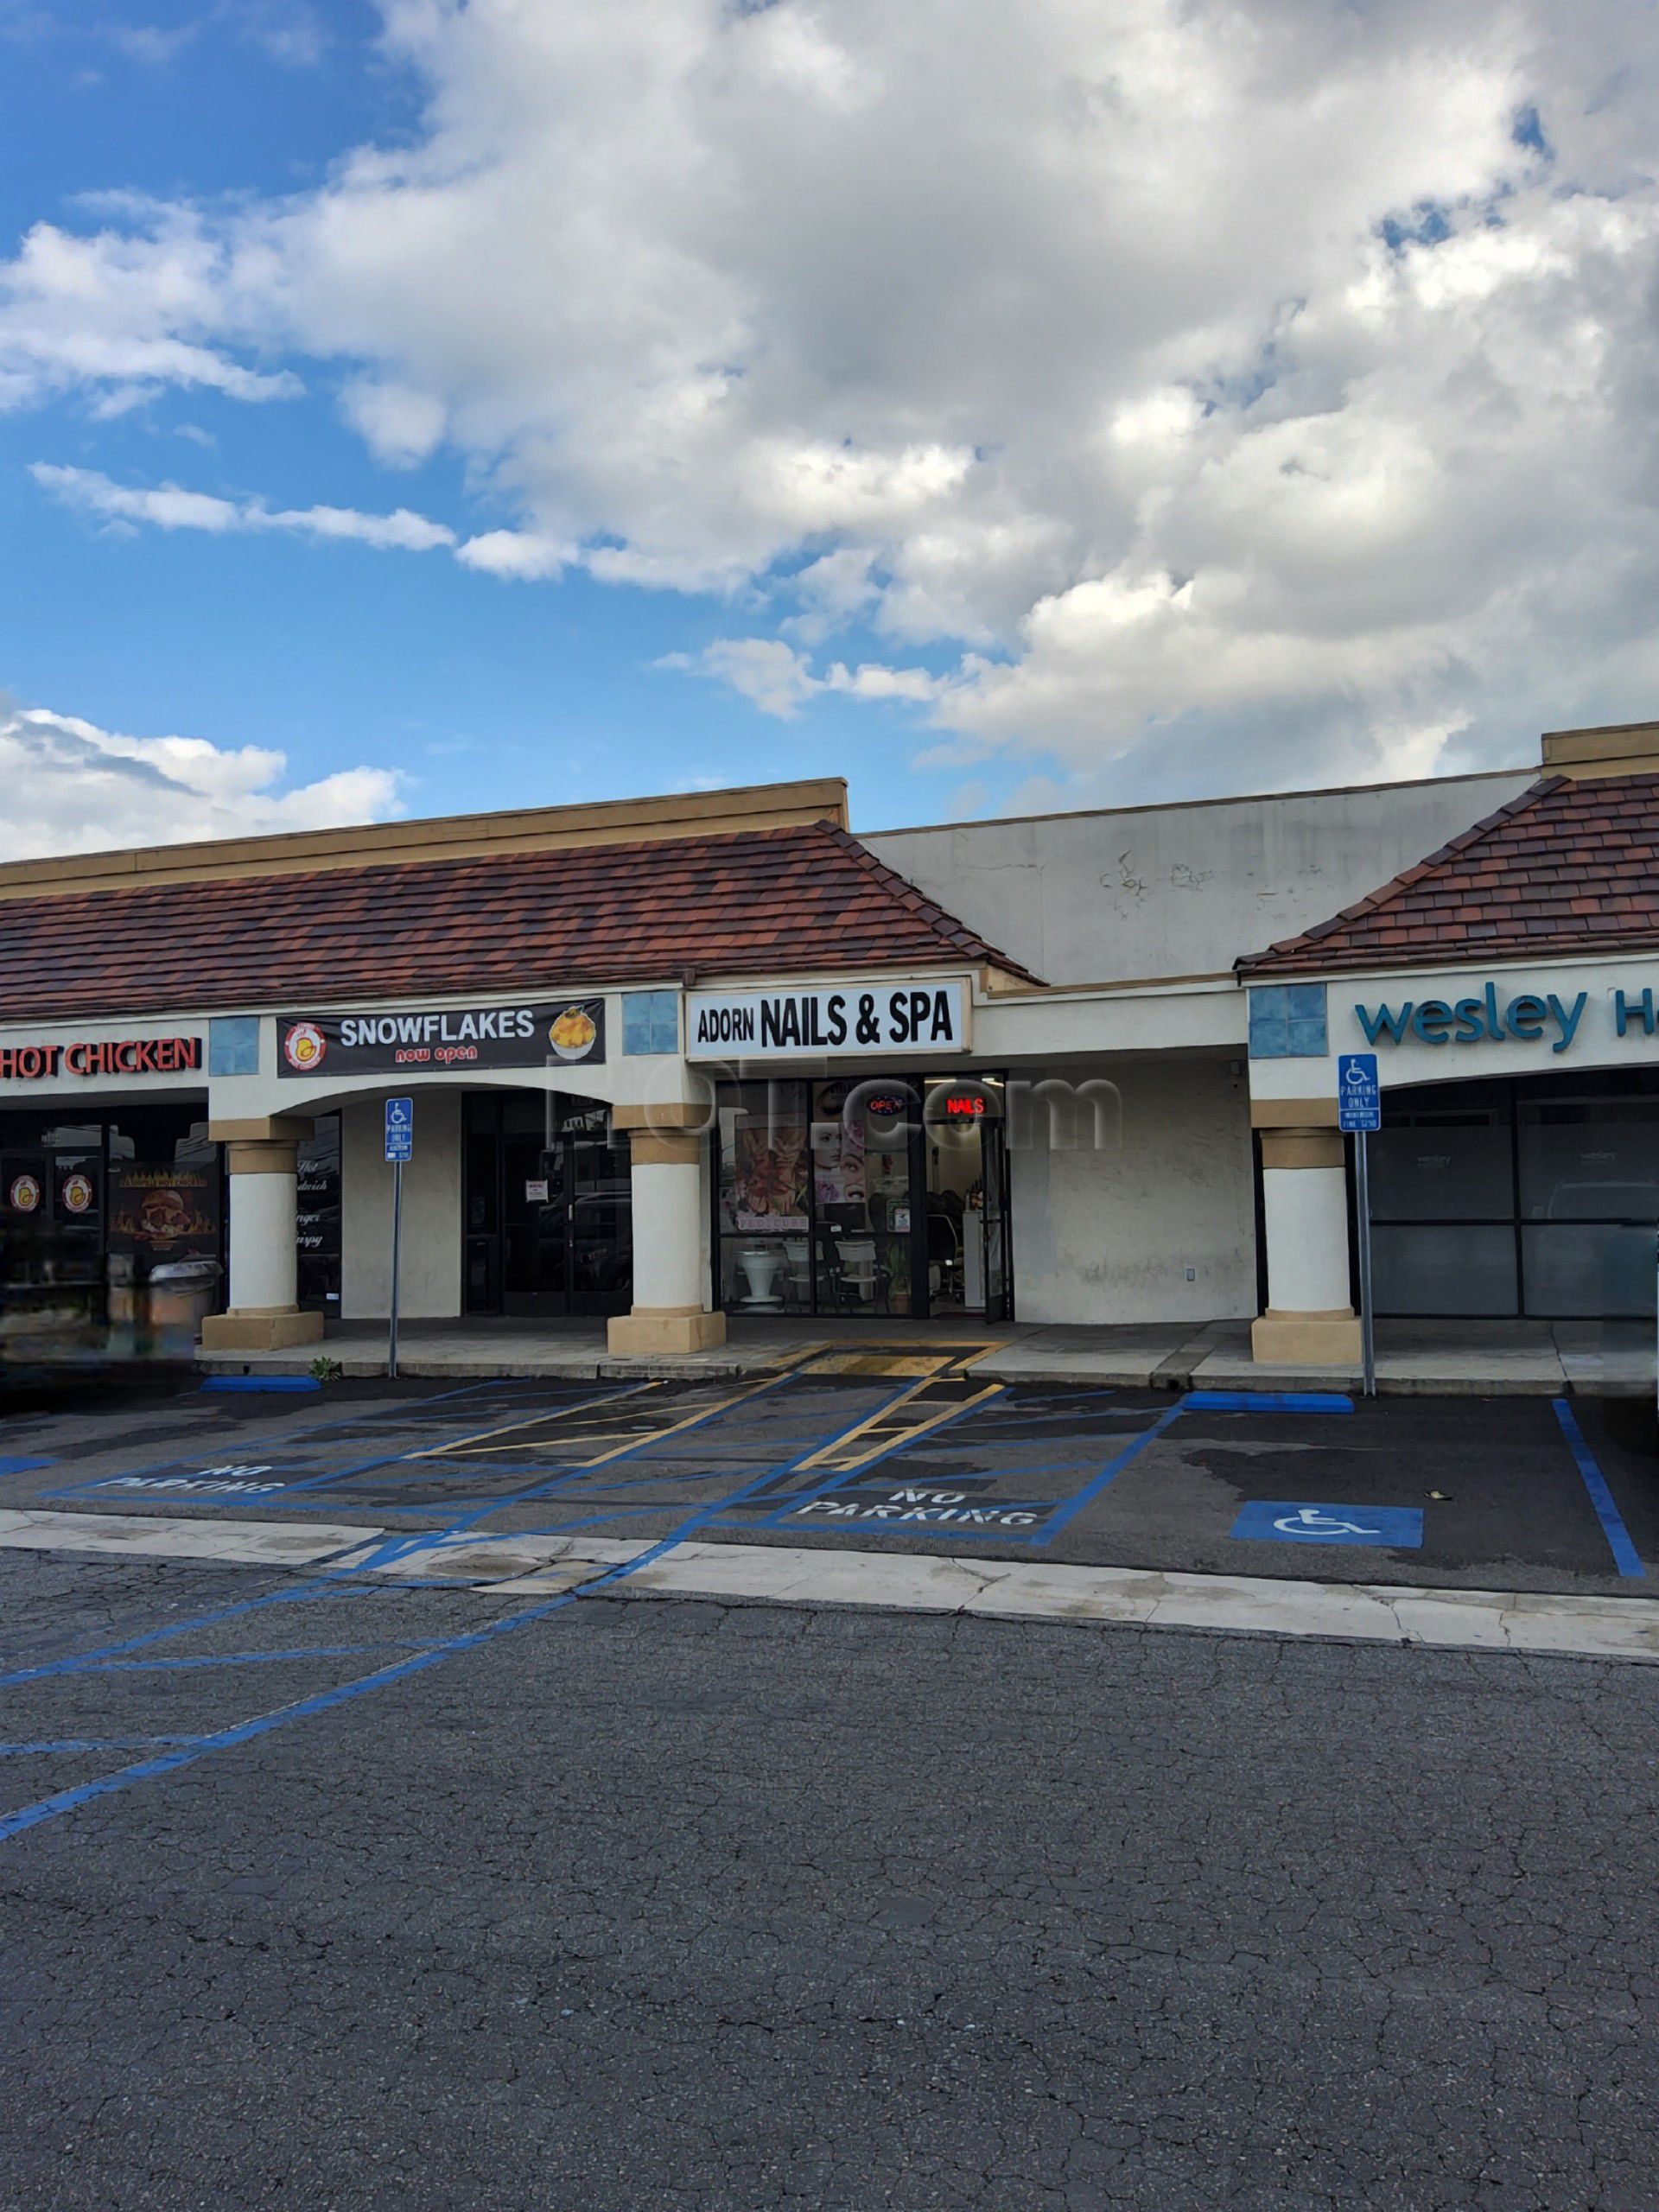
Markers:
point(170, 507)
point(74, 788)
point(126, 311)
point(778, 678)
point(1271, 380)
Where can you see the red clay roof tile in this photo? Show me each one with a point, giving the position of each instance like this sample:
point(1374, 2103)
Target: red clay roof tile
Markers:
point(1565, 868)
point(755, 902)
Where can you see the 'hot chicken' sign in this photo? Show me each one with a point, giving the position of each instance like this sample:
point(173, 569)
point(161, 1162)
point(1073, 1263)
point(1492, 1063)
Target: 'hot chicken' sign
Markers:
point(107, 1056)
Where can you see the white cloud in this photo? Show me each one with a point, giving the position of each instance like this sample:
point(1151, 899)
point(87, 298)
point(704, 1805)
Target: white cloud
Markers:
point(515, 553)
point(72, 787)
point(126, 312)
point(168, 507)
point(779, 679)
point(401, 426)
point(1251, 391)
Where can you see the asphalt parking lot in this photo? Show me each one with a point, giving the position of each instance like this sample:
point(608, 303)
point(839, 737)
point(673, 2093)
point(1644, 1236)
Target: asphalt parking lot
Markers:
point(676, 1907)
point(910, 1451)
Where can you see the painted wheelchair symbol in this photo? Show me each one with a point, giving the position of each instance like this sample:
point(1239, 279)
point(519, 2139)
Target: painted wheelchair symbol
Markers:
point(1309, 1521)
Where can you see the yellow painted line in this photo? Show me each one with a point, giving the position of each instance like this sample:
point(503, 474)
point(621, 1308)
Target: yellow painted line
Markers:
point(691, 1420)
point(505, 1429)
point(887, 1430)
point(877, 1363)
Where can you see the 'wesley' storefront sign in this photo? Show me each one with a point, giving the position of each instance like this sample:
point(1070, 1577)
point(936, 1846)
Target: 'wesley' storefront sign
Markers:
point(1523, 1018)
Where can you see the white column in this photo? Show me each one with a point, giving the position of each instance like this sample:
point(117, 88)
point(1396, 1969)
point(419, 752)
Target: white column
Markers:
point(265, 1209)
point(1309, 1320)
point(672, 1295)
point(265, 1313)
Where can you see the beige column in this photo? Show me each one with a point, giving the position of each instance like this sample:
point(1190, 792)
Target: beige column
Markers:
point(1309, 1320)
point(672, 1308)
point(265, 1313)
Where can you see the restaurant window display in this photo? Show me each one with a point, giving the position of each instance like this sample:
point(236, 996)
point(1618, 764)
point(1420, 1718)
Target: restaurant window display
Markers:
point(110, 1224)
point(856, 1197)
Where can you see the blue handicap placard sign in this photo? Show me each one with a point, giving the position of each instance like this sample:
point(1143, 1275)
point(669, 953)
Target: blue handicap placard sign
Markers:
point(1280, 1520)
point(400, 1128)
point(1359, 1096)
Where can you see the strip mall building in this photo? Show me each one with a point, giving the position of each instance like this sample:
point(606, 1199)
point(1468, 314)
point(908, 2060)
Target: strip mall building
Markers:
point(677, 1058)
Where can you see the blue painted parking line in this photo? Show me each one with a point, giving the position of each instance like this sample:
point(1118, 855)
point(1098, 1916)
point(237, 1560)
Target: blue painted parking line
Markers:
point(1268, 1402)
point(244, 1732)
point(76, 1663)
point(21, 1466)
point(1291, 1521)
point(1110, 1473)
point(1627, 1558)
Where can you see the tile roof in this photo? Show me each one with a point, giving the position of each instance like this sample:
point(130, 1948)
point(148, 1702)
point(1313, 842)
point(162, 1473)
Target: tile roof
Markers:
point(1566, 868)
point(762, 902)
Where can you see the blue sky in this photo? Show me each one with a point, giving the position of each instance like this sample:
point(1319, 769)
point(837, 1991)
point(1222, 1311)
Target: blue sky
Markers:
point(1005, 405)
point(479, 693)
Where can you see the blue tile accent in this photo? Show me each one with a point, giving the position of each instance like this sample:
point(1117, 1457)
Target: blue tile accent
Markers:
point(650, 1021)
point(233, 1044)
point(1288, 1021)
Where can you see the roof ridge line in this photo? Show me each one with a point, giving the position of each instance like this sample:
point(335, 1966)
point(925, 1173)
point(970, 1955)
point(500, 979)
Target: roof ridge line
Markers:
point(945, 924)
point(1407, 879)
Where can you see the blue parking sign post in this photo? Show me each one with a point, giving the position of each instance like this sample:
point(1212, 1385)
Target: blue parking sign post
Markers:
point(1359, 1110)
point(400, 1147)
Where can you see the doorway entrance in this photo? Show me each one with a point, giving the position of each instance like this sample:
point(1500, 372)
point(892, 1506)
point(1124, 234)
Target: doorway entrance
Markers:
point(548, 1206)
point(863, 1197)
point(966, 1165)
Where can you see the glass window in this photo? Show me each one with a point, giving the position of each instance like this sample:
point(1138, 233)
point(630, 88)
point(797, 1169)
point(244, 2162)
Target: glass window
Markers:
point(318, 1225)
point(1438, 1269)
point(764, 1159)
point(1443, 1171)
point(650, 1021)
point(1590, 1160)
point(1575, 1269)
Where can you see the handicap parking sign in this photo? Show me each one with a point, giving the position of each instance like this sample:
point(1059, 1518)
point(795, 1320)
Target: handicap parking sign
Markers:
point(400, 1128)
point(1397, 1528)
point(1359, 1096)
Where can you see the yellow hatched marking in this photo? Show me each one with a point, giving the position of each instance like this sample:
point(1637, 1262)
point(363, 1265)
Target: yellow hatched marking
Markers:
point(691, 1420)
point(876, 1362)
point(507, 1427)
point(883, 1430)
point(607, 1398)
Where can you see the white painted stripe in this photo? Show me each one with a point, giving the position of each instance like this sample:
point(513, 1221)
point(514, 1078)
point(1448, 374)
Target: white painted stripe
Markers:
point(231, 1543)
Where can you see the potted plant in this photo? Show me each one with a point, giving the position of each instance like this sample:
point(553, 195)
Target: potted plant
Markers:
point(897, 1259)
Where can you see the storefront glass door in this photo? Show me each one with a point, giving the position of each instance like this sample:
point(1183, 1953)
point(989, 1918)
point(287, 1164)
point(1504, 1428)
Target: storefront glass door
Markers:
point(862, 1197)
point(548, 1207)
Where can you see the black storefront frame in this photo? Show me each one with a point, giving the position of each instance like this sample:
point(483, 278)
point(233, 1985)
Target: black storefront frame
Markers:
point(105, 1115)
point(484, 1115)
point(923, 1086)
point(1513, 1093)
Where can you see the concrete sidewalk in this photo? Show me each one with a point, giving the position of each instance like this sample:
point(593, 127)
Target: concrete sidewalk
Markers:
point(1560, 1624)
point(1453, 1358)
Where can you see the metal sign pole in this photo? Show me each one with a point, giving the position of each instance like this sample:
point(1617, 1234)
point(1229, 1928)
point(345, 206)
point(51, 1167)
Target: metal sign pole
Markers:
point(400, 1147)
point(1362, 1195)
point(397, 1259)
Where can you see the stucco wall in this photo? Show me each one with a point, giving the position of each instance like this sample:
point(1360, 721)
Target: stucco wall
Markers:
point(431, 1257)
point(1180, 890)
point(1108, 1235)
